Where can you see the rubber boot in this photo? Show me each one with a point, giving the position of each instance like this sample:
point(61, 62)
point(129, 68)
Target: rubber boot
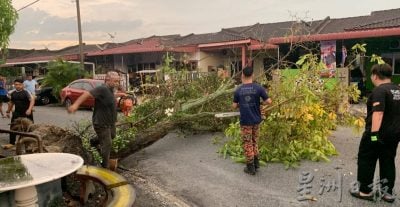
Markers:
point(256, 163)
point(249, 169)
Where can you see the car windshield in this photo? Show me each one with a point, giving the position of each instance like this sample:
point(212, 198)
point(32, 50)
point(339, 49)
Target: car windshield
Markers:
point(98, 83)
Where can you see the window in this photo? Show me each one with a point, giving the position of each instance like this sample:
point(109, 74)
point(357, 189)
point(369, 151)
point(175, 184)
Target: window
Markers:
point(236, 67)
point(87, 86)
point(396, 64)
point(98, 83)
point(77, 85)
point(393, 59)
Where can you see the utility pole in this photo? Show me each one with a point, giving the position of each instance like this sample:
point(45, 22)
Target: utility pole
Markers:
point(80, 35)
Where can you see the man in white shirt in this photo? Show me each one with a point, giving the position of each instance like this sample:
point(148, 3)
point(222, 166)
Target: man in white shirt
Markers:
point(30, 85)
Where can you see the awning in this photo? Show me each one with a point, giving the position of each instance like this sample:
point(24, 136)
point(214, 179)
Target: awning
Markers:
point(38, 59)
point(262, 46)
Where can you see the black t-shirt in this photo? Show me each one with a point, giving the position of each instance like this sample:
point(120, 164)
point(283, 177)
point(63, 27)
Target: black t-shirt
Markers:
point(105, 109)
point(21, 100)
point(248, 97)
point(388, 97)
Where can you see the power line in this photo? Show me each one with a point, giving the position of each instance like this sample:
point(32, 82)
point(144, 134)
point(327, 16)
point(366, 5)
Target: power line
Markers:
point(27, 5)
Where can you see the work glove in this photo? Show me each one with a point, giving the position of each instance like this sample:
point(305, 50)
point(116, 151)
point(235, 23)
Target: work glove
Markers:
point(375, 138)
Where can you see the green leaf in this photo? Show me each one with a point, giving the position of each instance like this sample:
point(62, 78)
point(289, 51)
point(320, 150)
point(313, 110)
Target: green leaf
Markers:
point(378, 59)
point(262, 163)
point(239, 159)
point(275, 159)
point(301, 60)
point(8, 19)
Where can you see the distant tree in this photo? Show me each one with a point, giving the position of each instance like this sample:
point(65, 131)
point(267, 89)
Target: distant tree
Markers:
point(60, 74)
point(8, 19)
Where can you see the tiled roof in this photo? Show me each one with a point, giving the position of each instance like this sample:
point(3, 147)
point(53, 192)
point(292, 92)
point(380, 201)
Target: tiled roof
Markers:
point(328, 25)
point(358, 34)
point(257, 31)
point(150, 44)
point(164, 38)
point(395, 22)
point(225, 35)
point(143, 45)
point(265, 31)
point(12, 53)
point(68, 53)
point(343, 24)
point(44, 58)
point(386, 14)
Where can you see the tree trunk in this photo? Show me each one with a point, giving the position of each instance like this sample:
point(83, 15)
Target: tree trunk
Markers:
point(159, 130)
point(156, 132)
point(147, 137)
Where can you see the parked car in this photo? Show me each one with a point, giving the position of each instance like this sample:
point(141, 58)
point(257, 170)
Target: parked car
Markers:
point(70, 93)
point(44, 94)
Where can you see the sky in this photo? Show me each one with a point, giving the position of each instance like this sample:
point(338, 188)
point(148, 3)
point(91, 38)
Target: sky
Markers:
point(52, 24)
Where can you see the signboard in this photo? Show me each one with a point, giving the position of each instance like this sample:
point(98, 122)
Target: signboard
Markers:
point(328, 57)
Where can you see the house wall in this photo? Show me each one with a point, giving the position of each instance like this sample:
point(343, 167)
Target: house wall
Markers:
point(209, 60)
point(258, 68)
point(193, 56)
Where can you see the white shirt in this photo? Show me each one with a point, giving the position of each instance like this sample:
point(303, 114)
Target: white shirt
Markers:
point(30, 86)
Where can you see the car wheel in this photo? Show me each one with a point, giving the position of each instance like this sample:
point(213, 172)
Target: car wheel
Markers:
point(45, 100)
point(68, 103)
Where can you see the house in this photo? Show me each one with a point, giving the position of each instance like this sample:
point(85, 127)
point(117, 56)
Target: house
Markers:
point(34, 62)
point(262, 46)
point(380, 31)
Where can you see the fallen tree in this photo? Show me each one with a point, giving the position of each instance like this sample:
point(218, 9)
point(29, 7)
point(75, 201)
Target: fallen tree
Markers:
point(305, 110)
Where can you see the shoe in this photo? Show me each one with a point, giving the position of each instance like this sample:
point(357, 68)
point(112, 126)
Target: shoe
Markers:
point(388, 198)
point(113, 164)
point(357, 194)
point(249, 169)
point(256, 163)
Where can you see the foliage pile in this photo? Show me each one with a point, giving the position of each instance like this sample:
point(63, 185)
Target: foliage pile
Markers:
point(85, 132)
point(300, 121)
point(169, 104)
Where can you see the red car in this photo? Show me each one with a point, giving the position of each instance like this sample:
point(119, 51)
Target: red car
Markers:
point(70, 93)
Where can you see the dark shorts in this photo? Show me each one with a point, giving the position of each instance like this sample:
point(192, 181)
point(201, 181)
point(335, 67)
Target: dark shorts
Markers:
point(4, 99)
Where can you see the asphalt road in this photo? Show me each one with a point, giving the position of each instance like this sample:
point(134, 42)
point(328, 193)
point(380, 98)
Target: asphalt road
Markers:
point(191, 169)
point(52, 114)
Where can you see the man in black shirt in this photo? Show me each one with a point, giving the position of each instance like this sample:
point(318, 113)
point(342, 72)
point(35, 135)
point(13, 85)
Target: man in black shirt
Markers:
point(104, 113)
point(381, 136)
point(23, 102)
